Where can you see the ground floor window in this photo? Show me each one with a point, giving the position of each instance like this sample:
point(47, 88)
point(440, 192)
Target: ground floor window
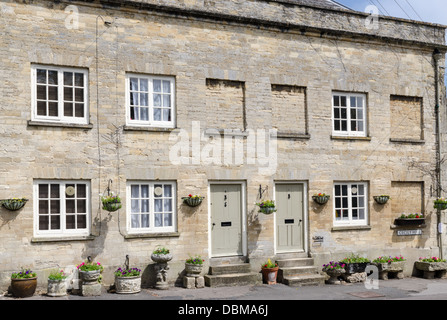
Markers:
point(62, 208)
point(151, 207)
point(350, 203)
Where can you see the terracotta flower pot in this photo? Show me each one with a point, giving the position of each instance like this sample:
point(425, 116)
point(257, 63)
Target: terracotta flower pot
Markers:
point(269, 275)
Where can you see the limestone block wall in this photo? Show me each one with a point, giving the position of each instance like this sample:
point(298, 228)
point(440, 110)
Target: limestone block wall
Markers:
point(256, 62)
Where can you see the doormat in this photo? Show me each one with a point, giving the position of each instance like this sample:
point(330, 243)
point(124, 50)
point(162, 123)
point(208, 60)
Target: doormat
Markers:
point(366, 294)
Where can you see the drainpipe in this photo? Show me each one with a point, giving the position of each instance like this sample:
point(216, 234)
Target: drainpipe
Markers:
point(437, 56)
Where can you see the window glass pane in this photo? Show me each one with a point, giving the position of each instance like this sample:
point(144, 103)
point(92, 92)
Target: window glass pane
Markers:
point(68, 78)
point(70, 206)
point(55, 191)
point(144, 205)
point(344, 125)
point(144, 99)
point(336, 101)
point(144, 114)
point(41, 108)
point(134, 98)
point(344, 190)
point(41, 76)
point(167, 205)
point(144, 85)
point(167, 219)
point(52, 93)
point(133, 83)
point(52, 109)
point(158, 220)
point(145, 191)
point(157, 85)
point(145, 221)
point(337, 125)
point(44, 222)
point(157, 100)
point(79, 79)
point(68, 93)
point(134, 220)
point(52, 77)
point(166, 86)
point(158, 205)
point(135, 191)
point(353, 102)
point(157, 114)
point(343, 101)
point(55, 222)
point(43, 190)
point(43, 207)
point(55, 206)
point(362, 214)
point(359, 102)
point(68, 109)
point(135, 206)
point(79, 95)
point(82, 221)
point(82, 206)
point(158, 190)
point(41, 92)
point(168, 190)
point(166, 114)
point(70, 222)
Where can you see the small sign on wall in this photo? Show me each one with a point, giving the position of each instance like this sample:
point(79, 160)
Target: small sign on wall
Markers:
point(414, 232)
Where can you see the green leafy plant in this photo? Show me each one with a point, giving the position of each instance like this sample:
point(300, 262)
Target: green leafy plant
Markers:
point(266, 204)
point(194, 196)
point(195, 260)
point(320, 195)
point(132, 272)
point(23, 274)
point(269, 264)
point(333, 265)
point(354, 259)
point(431, 259)
point(57, 275)
point(411, 216)
point(161, 250)
point(90, 266)
point(110, 199)
point(388, 259)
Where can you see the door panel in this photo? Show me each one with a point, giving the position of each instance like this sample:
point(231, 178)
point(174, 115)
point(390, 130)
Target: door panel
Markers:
point(289, 217)
point(226, 219)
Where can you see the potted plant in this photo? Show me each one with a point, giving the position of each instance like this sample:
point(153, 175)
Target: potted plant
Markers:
point(23, 283)
point(111, 203)
point(387, 264)
point(194, 266)
point(161, 254)
point(90, 271)
point(334, 270)
point(128, 280)
point(432, 267)
point(321, 198)
point(193, 201)
point(267, 206)
point(14, 204)
point(57, 285)
point(410, 219)
point(355, 263)
point(269, 272)
point(440, 203)
point(382, 199)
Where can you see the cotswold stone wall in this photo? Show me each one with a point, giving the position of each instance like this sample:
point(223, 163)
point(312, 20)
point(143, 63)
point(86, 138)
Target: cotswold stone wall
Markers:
point(257, 63)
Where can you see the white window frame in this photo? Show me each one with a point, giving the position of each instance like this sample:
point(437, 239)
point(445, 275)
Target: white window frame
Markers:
point(151, 122)
point(62, 232)
point(152, 228)
point(349, 132)
point(60, 118)
point(350, 221)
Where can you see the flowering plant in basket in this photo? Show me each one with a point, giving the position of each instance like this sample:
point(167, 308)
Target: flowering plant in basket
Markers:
point(57, 275)
point(333, 265)
point(132, 272)
point(23, 274)
point(196, 260)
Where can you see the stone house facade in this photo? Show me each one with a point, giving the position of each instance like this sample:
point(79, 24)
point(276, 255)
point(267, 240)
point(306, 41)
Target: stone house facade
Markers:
point(237, 101)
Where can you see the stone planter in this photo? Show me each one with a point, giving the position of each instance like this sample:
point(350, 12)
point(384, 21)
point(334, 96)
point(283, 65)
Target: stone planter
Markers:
point(161, 268)
point(396, 268)
point(13, 204)
point(356, 267)
point(432, 270)
point(334, 275)
point(56, 288)
point(161, 258)
point(193, 270)
point(128, 284)
point(269, 275)
point(267, 210)
point(321, 199)
point(23, 288)
point(89, 276)
point(192, 202)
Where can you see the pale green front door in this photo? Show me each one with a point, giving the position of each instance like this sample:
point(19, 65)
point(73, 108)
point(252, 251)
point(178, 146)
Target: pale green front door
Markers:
point(289, 217)
point(226, 219)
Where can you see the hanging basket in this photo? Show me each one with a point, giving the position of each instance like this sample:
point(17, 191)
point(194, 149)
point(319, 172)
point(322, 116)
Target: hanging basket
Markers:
point(381, 199)
point(14, 204)
point(321, 199)
point(111, 206)
point(267, 210)
point(192, 201)
point(440, 206)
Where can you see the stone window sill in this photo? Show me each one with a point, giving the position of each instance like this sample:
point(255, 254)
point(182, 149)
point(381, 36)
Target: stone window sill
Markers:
point(350, 138)
point(59, 125)
point(292, 135)
point(148, 129)
point(62, 239)
point(351, 228)
point(152, 235)
point(408, 141)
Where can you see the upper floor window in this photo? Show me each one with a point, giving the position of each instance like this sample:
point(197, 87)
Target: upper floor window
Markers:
point(150, 100)
point(62, 208)
point(59, 94)
point(349, 114)
point(350, 203)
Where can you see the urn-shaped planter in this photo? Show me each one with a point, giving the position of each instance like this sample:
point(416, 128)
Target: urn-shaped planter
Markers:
point(128, 285)
point(57, 288)
point(89, 276)
point(23, 288)
point(334, 274)
point(161, 257)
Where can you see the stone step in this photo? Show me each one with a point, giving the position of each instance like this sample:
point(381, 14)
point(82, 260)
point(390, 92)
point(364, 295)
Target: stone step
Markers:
point(232, 279)
point(296, 271)
point(230, 269)
point(294, 262)
point(313, 279)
